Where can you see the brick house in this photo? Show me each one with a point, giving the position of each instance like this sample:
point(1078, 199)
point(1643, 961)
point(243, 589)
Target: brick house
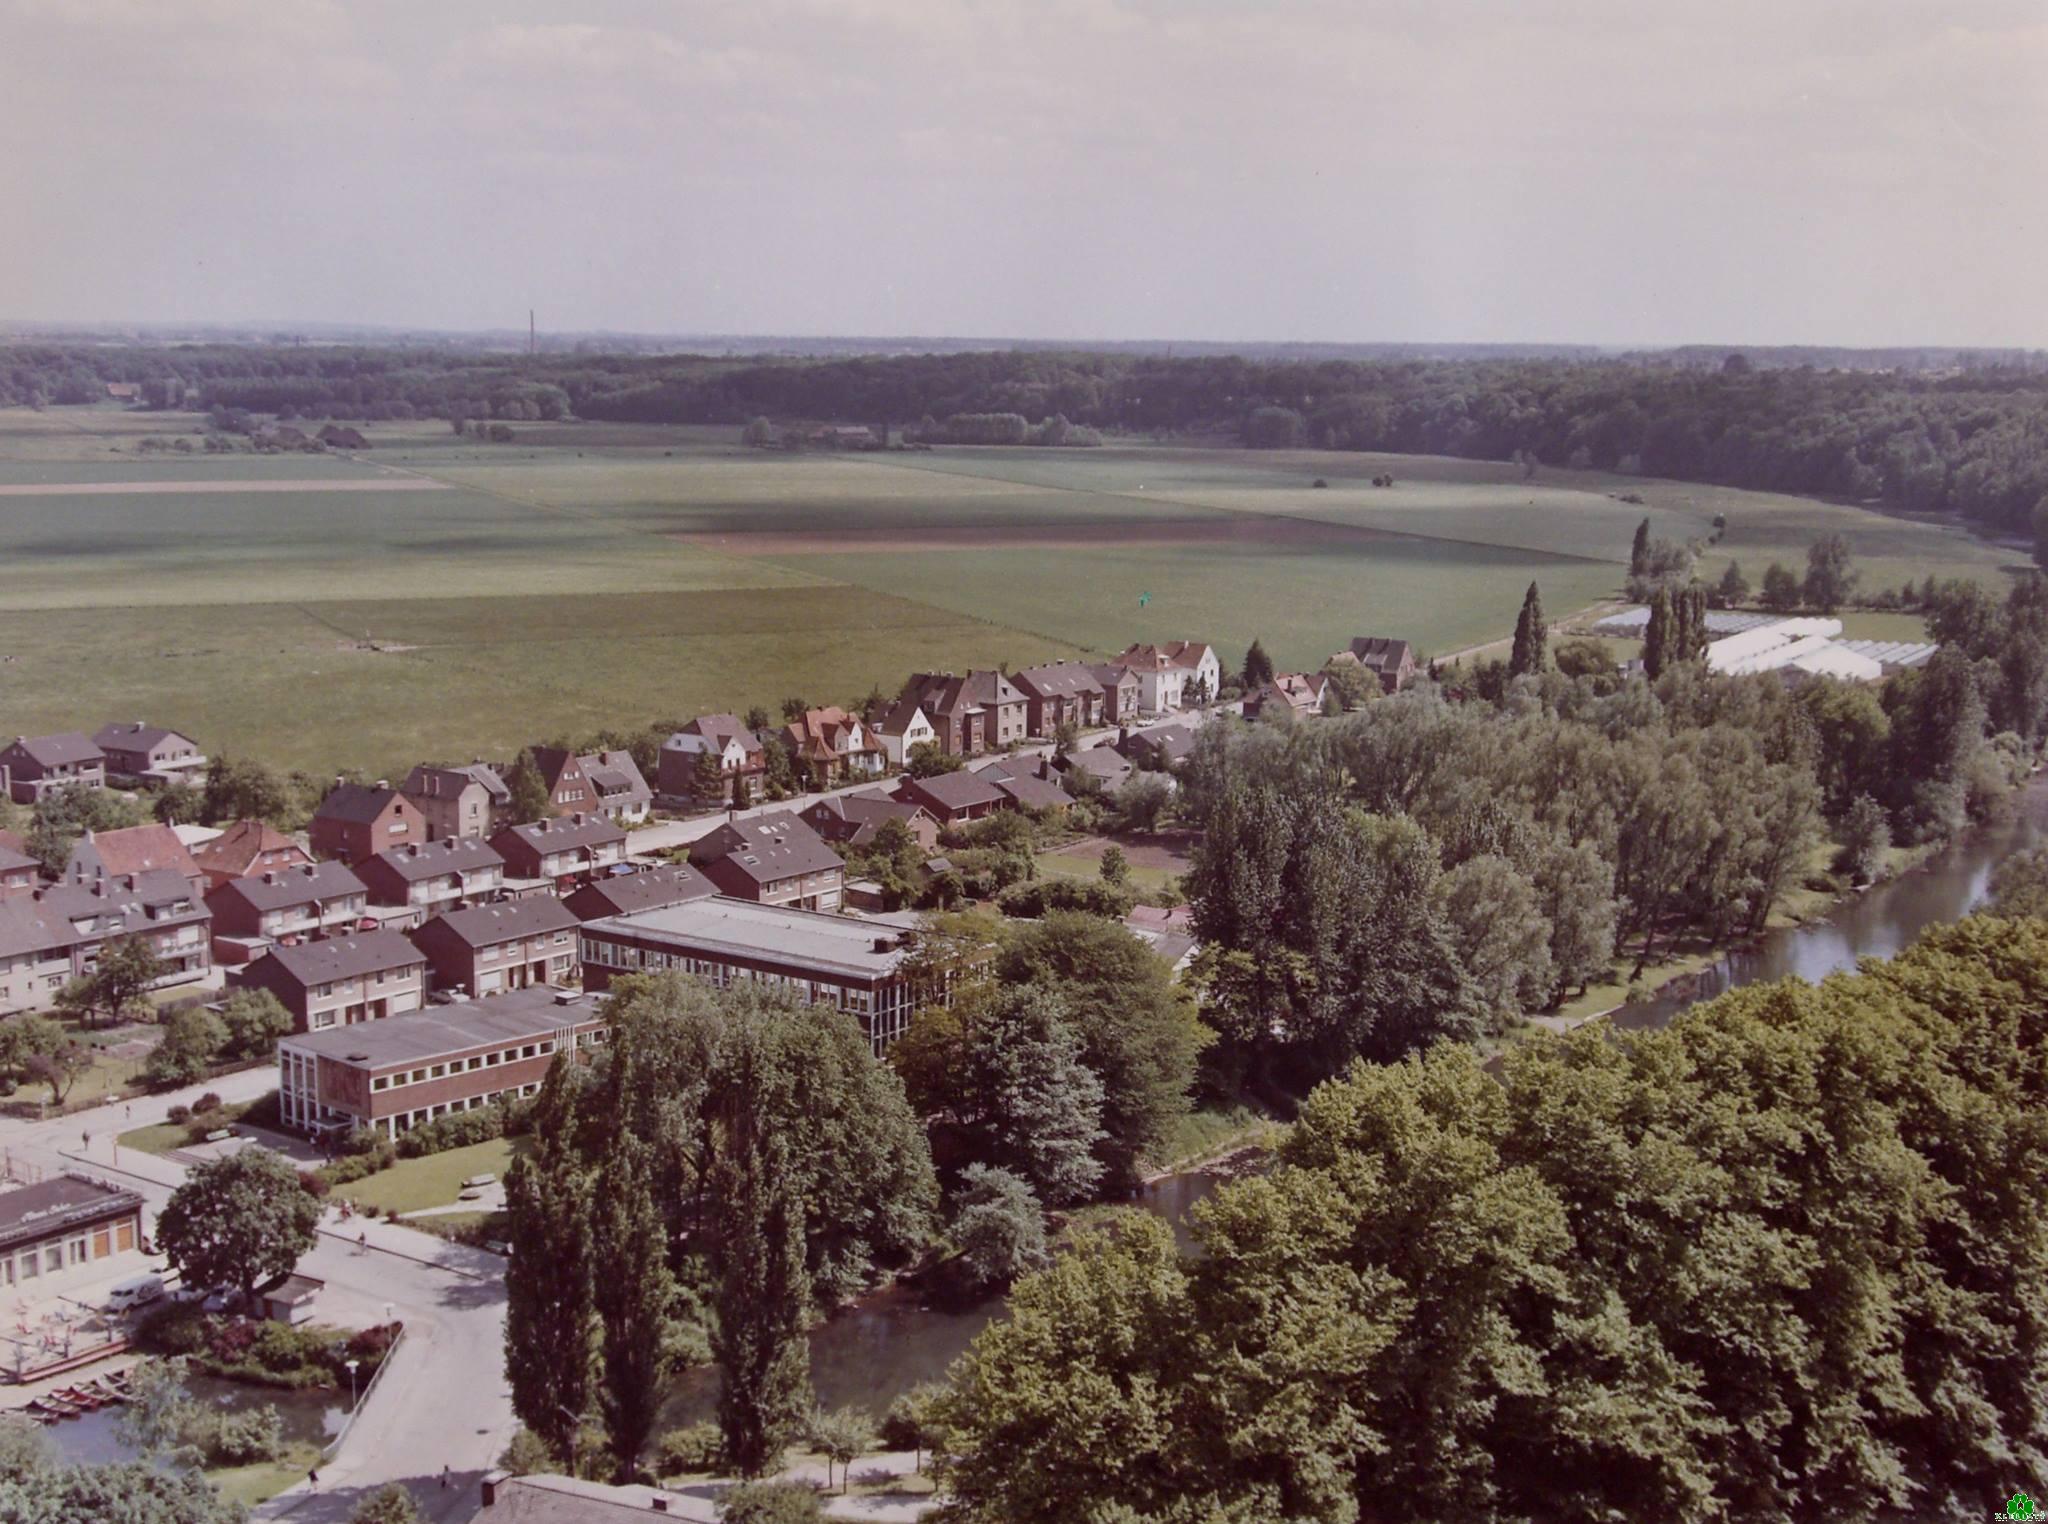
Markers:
point(409, 1069)
point(39, 765)
point(774, 859)
point(1122, 694)
point(356, 821)
point(100, 855)
point(1060, 693)
point(1391, 661)
point(19, 873)
point(737, 748)
point(1296, 693)
point(951, 797)
point(982, 711)
point(55, 935)
point(1172, 675)
point(624, 893)
point(1028, 781)
point(508, 946)
point(149, 755)
point(563, 849)
point(435, 875)
point(457, 801)
point(245, 848)
point(851, 820)
point(829, 746)
point(342, 980)
point(316, 900)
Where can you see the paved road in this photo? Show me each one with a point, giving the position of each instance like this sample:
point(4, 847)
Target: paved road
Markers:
point(443, 1400)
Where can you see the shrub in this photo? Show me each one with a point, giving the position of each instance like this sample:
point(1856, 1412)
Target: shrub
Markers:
point(242, 1439)
point(696, 1448)
point(528, 1455)
point(314, 1183)
point(1034, 899)
point(178, 1116)
point(770, 1503)
point(207, 1102)
point(460, 1129)
point(362, 1140)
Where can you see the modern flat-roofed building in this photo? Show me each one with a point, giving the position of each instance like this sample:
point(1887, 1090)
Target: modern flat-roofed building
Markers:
point(52, 1232)
point(393, 1075)
point(855, 965)
point(341, 981)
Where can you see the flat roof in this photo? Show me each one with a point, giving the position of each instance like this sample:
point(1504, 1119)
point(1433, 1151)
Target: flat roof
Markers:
point(809, 939)
point(417, 1036)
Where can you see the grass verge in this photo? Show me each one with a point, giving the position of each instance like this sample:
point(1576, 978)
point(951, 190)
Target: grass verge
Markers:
point(412, 1185)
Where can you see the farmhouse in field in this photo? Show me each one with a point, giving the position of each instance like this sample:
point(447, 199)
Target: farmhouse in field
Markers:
point(411, 1068)
point(457, 801)
point(39, 765)
point(340, 981)
point(1173, 675)
point(357, 821)
point(737, 749)
point(246, 847)
point(773, 859)
point(149, 755)
point(1391, 661)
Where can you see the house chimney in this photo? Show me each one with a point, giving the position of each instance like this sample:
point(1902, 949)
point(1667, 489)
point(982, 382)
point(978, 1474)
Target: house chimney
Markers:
point(383, 783)
point(270, 876)
point(339, 780)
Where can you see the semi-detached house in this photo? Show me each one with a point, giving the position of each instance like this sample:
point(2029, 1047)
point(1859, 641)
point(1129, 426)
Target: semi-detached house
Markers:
point(37, 765)
point(435, 875)
point(507, 946)
point(342, 980)
point(773, 859)
point(149, 755)
point(51, 937)
point(562, 850)
point(457, 801)
point(310, 901)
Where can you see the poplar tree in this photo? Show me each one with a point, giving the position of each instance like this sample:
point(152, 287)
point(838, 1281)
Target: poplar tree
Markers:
point(1660, 635)
point(549, 1311)
point(1532, 637)
point(1258, 667)
point(1639, 553)
point(634, 1292)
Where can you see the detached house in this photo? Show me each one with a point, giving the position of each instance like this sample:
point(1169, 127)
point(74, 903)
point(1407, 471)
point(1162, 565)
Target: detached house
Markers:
point(954, 796)
point(487, 949)
point(245, 848)
point(340, 981)
point(737, 749)
point(1171, 676)
point(37, 765)
point(1028, 782)
point(312, 901)
point(851, 820)
point(1100, 769)
point(830, 745)
point(1060, 693)
point(1391, 661)
point(772, 859)
point(435, 875)
point(355, 822)
point(619, 790)
point(457, 801)
point(149, 755)
point(562, 848)
point(1296, 693)
point(1163, 747)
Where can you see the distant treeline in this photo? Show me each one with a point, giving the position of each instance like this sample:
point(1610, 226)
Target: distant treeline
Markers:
point(1972, 440)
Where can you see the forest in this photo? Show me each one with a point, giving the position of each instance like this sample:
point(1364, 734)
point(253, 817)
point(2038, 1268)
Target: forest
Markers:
point(1971, 441)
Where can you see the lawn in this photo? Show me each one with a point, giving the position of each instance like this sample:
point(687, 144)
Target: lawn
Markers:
point(1086, 863)
point(412, 1185)
point(437, 597)
point(250, 1485)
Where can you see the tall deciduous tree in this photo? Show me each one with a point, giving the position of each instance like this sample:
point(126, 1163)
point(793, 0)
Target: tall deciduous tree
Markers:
point(1830, 580)
point(528, 791)
point(1781, 589)
point(1258, 667)
point(1639, 551)
point(634, 1297)
point(550, 1308)
point(238, 1221)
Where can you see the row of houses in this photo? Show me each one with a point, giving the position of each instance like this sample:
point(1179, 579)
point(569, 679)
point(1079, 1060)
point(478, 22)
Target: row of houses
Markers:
point(126, 752)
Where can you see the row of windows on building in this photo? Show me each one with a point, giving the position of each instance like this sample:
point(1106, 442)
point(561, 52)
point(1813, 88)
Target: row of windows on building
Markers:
point(38, 1261)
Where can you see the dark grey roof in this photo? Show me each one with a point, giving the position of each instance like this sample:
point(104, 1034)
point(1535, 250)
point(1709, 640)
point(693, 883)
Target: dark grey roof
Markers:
point(127, 735)
point(294, 886)
point(770, 847)
point(1101, 762)
point(120, 904)
point(564, 831)
point(670, 884)
point(1380, 651)
point(429, 859)
point(488, 925)
point(426, 781)
point(1057, 679)
point(613, 773)
point(36, 1211)
point(1171, 741)
point(417, 1036)
point(9, 858)
point(355, 803)
point(66, 748)
point(26, 927)
point(1034, 793)
point(367, 952)
point(959, 791)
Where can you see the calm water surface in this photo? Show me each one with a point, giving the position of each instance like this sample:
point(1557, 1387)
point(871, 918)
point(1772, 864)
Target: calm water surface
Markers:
point(95, 1438)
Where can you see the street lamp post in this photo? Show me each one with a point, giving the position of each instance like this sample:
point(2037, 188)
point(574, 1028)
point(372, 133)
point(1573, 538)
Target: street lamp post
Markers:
point(575, 1425)
point(352, 1364)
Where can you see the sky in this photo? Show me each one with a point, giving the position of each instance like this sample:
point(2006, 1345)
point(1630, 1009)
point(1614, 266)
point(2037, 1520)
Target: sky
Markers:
point(1627, 172)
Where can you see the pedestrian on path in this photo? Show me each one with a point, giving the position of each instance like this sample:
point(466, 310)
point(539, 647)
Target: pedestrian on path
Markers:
point(444, 1476)
point(313, 1481)
point(362, 1243)
point(85, 1141)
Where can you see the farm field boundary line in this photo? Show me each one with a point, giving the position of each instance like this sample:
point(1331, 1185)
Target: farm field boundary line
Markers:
point(1277, 513)
point(169, 488)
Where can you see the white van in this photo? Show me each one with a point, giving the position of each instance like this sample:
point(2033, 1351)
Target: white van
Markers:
point(136, 1291)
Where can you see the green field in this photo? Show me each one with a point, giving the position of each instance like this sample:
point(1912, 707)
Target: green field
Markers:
point(435, 596)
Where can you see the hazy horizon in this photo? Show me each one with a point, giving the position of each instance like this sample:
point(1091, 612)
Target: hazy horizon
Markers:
point(1127, 171)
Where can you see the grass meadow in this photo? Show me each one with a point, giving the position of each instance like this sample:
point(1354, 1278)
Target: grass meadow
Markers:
point(438, 596)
